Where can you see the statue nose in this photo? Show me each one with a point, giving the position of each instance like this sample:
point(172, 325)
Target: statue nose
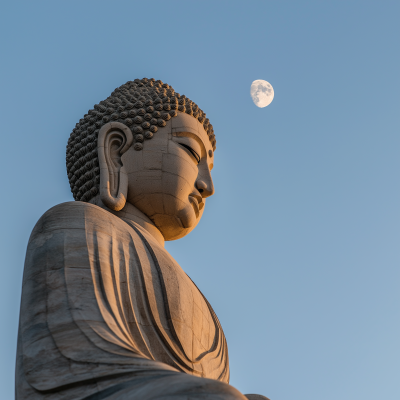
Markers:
point(205, 189)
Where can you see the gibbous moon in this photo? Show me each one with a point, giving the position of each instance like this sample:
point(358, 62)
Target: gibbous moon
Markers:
point(262, 93)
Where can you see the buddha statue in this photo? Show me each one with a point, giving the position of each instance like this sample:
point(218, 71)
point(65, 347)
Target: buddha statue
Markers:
point(106, 312)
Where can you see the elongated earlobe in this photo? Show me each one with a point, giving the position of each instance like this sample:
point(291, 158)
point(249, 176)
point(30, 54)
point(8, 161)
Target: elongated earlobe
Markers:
point(114, 140)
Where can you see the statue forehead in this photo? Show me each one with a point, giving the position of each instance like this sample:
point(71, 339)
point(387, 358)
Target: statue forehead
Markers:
point(186, 123)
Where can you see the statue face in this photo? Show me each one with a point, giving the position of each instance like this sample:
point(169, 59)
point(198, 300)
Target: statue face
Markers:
point(170, 179)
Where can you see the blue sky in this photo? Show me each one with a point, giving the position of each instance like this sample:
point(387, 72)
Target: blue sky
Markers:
point(298, 250)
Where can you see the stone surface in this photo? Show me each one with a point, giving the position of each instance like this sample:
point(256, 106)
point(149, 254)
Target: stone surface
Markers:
point(106, 312)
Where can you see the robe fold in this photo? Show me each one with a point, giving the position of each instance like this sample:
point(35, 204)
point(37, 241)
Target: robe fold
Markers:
point(107, 313)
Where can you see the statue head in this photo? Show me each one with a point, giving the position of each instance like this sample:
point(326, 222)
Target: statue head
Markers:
point(149, 147)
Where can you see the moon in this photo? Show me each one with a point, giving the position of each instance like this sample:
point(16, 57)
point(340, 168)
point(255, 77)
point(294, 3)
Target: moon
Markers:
point(262, 93)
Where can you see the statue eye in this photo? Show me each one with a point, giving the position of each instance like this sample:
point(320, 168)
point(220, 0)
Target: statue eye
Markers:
point(191, 151)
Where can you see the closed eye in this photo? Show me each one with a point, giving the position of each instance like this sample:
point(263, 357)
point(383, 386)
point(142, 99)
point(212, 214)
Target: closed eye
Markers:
point(191, 151)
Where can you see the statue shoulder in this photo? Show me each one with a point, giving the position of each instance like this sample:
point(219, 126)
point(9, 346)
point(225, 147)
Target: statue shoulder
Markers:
point(75, 215)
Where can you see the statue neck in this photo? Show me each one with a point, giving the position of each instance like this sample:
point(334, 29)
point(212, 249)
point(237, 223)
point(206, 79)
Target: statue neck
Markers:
point(133, 214)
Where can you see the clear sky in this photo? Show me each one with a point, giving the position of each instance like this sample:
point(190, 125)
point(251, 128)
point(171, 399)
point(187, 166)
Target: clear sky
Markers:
point(298, 250)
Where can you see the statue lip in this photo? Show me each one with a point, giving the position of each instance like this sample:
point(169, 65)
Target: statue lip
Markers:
point(197, 202)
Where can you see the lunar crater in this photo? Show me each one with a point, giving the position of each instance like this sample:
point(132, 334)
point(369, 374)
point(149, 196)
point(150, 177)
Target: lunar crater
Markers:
point(262, 93)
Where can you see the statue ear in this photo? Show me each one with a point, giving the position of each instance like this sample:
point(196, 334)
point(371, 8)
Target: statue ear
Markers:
point(114, 140)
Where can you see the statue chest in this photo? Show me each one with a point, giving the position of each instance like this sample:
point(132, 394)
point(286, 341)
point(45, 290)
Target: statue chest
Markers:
point(184, 318)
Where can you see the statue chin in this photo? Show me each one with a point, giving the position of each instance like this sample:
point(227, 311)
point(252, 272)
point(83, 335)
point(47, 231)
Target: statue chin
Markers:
point(174, 227)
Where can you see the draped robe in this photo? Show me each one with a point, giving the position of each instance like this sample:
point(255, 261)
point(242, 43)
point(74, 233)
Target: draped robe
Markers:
point(107, 313)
